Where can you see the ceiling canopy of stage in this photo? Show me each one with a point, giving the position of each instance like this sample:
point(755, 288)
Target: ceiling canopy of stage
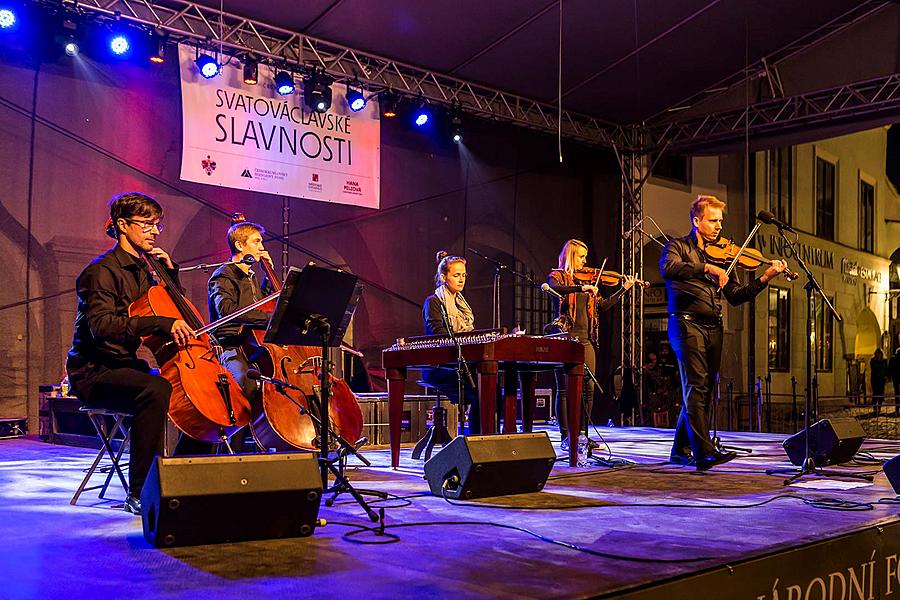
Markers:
point(627, 62)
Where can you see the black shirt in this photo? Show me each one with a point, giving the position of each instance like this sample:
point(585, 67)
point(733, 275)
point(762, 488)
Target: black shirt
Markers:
point(231, 289)
point(105, 336)
point(688, 289)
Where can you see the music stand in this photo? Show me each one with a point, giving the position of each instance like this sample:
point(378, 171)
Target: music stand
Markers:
point(314, 309)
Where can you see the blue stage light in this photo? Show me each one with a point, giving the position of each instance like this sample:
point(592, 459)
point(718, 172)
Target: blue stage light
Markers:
point(355, 99)
point(8, 18)
point(208, 66)
point(119, 44)
point(284, 83)
point(71, 48)
point(421, 117)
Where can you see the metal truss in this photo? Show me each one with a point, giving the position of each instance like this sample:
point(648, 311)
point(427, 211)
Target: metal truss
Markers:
point(201, 25)
point(632, 164)
point(854, 100)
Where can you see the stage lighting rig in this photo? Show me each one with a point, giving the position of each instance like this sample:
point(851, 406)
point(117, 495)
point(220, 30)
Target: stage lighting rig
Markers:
point(456, 125)
point(251, 70)
point(68, 37)
point(355, 98)
point(8, 18)
point(421, 115)
point(157, 48)
point(119, 44)
point(284, 83)
point(317, 91)
point(209, 66)
point(387, 100)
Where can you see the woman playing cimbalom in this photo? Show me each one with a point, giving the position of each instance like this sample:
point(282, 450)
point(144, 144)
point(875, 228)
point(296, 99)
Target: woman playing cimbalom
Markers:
point(450, 280)
point(578, 315)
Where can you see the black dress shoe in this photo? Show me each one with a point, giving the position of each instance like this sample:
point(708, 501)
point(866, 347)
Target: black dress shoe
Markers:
point(681, 459)
point(133, 505)
point(709, 461)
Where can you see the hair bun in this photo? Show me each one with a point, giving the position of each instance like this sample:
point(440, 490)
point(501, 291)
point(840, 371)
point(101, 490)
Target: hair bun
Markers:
point(441, 255)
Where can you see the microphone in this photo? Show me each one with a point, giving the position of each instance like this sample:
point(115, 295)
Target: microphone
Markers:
point(769, 218)
point(545, 287)
point(257, 376)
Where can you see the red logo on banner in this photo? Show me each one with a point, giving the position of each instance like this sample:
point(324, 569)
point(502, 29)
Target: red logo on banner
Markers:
point(315, 177)
point(209, 165)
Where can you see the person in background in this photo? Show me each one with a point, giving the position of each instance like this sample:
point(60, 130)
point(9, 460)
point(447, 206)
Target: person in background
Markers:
point(878, 368)
point(894, 370)
point(447, 309)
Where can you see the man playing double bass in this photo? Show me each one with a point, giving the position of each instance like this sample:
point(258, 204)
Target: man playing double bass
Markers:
point(694, 288)
point(102, 365)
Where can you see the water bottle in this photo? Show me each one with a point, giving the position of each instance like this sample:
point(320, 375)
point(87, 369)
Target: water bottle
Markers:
point(582, 450)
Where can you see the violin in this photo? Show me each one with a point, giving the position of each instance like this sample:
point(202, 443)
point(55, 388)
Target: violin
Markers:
point(589, 276)
point(723, 251)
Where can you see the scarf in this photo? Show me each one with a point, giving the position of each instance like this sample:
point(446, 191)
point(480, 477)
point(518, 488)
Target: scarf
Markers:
point(460, 314)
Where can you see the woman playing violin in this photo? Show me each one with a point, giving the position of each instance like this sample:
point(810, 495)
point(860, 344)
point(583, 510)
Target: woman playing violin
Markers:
point(578, 315)
point(102, 365)
point(694, 288)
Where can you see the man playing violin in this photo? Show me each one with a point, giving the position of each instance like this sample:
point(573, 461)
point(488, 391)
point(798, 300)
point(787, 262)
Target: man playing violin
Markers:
point(578, 315)
point(102, 365)
point(694, 288)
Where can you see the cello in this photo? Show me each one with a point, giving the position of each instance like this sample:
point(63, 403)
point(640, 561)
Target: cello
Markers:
point(206, 403)
point(279, 422)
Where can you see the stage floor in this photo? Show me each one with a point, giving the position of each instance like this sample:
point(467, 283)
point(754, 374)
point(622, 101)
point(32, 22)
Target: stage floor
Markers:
point(651, 521)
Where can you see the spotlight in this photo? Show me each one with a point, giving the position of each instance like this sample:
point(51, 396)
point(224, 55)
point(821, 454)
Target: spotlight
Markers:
point(388, 102)
point(208, 66)
point(355, 98)
point(284, 83)
point(251, 70)
point(8, 19)
point(421, 115)
point(456, 125)
point(317, 92)
point(71, 47)
point(119, 44)
point(157, 49)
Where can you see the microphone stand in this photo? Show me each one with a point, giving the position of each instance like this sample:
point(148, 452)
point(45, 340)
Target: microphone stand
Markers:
point(462, 368)
point(812, 288)
point(247, 260)
point(499, 267)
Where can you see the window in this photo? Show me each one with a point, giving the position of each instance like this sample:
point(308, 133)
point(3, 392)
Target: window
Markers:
point(532, 308)
point(825, 190)
point(823, 335)
point(866, 216)
point(779, 329)
point(781, 190)
point(672, 167)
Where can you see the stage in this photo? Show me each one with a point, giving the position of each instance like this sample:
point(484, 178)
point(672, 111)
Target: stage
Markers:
point(651, 530)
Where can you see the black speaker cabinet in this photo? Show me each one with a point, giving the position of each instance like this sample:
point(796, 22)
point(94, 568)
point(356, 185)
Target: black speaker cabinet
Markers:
point(213, 499)
point(476, 466)
point(831, 442)
point(892, 470)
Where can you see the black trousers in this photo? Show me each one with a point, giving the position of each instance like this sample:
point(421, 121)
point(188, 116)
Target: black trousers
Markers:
point(237, 364)
point(447, 383)
point(146, 397)
point(587, 393)
point(699, 352)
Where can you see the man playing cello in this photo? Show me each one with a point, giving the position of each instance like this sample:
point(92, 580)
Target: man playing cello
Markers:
point(102, 365)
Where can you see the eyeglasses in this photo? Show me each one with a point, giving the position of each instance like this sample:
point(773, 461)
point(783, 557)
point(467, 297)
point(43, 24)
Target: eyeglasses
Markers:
point(147, 226)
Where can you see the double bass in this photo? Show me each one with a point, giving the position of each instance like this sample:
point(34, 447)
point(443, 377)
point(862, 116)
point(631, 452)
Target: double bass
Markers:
point(279, 422)
point(206, 403)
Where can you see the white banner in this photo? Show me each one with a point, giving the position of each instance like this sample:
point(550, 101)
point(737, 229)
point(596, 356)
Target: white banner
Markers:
point(249, 137)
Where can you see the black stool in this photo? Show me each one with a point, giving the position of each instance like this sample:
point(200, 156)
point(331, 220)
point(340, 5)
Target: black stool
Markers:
point(437, 433)
point(107, 422)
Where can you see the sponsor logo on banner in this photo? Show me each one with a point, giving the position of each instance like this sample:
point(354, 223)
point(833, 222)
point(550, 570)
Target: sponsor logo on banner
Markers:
point(209, 165)
point(270, 143)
